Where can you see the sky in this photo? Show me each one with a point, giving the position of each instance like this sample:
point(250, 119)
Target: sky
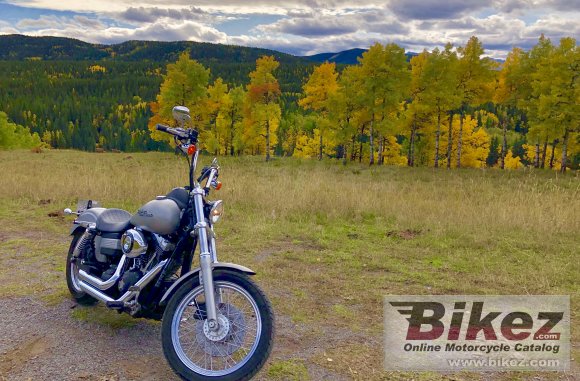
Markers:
point(300, 27)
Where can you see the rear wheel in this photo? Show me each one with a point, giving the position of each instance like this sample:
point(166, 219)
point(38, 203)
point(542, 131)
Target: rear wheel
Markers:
point(240, 346)
point(72, 273)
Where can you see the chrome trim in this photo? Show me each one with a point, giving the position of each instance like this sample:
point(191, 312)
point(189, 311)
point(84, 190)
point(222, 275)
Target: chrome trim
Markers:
point(205, 258)
point(164, 244)
point(100, 284)
point(133, 243)
point(181, 115)
point(212, 245)
point(143, 282)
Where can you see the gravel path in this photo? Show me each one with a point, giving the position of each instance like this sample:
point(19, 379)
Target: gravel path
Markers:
point(38, 342)
point(44, 343)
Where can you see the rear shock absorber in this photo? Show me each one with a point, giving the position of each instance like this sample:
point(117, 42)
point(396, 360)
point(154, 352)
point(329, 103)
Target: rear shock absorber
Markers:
point(83, 241)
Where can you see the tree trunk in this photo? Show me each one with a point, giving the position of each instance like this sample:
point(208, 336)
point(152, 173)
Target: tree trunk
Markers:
point(503, 144)
point(344, 153)
point(360, 152)
point(267, 140)
point(450, 141)
point(537, 156)
point(381, 149)
point(352, 151)
point(411, 153)
point(437, 135)
point(216, 136)
point(552, 154)
point(320, 143)
point(543, 162)
point(411, 144)
point(459, 138)
point(231, 138)
point(564, 152)
point(371, 141)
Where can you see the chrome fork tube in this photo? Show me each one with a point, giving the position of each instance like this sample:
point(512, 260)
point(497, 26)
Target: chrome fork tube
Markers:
point(205, 259)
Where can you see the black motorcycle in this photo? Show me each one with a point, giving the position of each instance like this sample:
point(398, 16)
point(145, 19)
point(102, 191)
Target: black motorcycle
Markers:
point(217, 324)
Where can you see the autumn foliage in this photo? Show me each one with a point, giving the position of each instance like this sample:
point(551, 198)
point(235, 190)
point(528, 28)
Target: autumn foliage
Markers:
point(452, 107)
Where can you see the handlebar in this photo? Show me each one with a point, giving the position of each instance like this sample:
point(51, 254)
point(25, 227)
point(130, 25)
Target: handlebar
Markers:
point(180, 133)
point(162, 128)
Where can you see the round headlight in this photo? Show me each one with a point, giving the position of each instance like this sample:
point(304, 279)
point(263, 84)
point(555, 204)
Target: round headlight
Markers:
point(216, 211)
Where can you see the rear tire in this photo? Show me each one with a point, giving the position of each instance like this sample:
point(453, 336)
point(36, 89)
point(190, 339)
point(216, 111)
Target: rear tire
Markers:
point(80, 296)
point(256, 359)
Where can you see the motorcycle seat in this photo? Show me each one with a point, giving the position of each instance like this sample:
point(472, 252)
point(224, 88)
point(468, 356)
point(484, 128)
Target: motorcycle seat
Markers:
point(113, 220)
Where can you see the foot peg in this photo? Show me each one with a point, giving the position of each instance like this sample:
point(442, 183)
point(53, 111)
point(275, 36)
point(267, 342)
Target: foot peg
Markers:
point(115, 305)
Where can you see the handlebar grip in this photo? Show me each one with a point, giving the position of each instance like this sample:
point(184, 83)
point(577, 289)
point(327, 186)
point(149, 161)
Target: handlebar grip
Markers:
point(162, 128)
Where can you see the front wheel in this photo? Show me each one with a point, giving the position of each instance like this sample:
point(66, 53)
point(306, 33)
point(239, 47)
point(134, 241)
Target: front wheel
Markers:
point(240, 346)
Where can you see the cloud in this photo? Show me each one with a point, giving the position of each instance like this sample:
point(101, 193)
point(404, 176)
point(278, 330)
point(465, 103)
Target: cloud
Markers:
point(308, 26)
point(148, 15)
point(313, 27)
point(319, 24)
point(93, 30)
point(6, 28)
point(435, 9)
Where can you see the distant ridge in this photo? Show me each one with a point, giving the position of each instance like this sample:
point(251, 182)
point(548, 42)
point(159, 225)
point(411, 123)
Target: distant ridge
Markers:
point(347, 57)
point(16, 47)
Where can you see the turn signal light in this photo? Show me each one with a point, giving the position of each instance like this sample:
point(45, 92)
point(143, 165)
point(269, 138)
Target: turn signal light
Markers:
point(191, 150)
point(218, 186)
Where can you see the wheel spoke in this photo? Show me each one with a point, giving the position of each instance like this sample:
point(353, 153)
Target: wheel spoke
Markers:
point(215, 358)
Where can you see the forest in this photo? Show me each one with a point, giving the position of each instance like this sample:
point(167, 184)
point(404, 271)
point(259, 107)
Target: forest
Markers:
point(452, 107)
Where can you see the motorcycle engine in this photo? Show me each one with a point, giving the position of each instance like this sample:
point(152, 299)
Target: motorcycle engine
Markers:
point(142, 263)
point(129, 278)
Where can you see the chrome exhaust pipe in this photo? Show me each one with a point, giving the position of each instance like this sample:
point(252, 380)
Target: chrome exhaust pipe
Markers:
point(100, 284)
point(147, 278)
point(94, 292)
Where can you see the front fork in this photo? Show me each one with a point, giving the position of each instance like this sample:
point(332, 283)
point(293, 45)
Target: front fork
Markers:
point(207, 257)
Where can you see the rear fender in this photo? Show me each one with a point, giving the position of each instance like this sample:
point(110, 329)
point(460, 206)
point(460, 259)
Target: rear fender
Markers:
point(89, 216)
point(194, 273)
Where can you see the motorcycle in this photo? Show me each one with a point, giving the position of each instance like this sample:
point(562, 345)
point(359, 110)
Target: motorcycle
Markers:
point(217, 324)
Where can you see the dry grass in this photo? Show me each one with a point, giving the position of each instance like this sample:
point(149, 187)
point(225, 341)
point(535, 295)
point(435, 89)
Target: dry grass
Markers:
point(328, 241)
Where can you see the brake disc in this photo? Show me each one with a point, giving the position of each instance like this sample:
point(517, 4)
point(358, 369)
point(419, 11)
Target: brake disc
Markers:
point(230, 335)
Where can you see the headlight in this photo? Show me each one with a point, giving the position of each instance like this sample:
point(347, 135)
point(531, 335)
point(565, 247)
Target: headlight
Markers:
point(216, 211)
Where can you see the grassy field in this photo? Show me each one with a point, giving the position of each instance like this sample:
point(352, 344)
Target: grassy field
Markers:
point(328, 241)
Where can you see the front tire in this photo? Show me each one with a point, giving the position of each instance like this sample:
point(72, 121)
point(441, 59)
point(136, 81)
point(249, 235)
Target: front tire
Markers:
point(246, 343)
point(72, 275)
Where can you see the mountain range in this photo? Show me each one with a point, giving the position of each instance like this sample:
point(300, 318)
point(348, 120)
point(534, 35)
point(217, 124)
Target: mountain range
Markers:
point(19, 48)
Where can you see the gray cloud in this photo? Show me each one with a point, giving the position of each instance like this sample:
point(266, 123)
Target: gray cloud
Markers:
point(152, 14)
point(323, 25)
point(314, 26)
point(435, 9)
point(311, 27)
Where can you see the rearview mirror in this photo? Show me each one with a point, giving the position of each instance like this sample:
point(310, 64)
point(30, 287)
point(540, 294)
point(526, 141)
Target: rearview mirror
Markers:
point(181, 115)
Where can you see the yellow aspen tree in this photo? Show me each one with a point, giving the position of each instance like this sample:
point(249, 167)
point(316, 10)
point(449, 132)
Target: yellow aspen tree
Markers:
point(475, 83)
point(319, 92)
point(185, 84)
point(263, 108)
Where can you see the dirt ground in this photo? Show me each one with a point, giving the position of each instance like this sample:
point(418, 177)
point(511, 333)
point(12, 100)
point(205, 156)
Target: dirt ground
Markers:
point(41, 342)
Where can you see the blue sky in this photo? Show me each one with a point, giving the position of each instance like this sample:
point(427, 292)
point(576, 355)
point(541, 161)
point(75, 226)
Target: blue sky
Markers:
point(299, 26)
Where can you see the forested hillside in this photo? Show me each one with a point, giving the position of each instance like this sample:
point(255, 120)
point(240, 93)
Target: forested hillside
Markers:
point(79, 95)
point(443, 108)
point(20, 47)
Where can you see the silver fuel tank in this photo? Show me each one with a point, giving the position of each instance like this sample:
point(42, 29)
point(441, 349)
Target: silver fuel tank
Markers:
point(159, 216)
